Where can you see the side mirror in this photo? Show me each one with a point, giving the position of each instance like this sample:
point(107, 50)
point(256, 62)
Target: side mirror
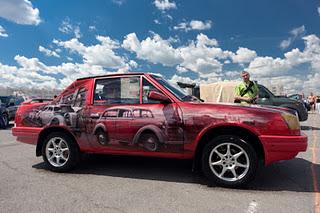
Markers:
point(153, 95)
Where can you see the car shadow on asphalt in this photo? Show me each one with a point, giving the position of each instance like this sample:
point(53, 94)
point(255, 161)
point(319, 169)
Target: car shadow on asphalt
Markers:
point(292, 175)
point(309, 128)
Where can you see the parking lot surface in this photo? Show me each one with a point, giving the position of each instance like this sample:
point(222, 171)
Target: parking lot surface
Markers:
point(135, 184)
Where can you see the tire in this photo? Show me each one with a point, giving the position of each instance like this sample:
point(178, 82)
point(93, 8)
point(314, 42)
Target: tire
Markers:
point(5, 118)
point(102, 137)
point(59, 152)
point(234, 168)
point(150, 142)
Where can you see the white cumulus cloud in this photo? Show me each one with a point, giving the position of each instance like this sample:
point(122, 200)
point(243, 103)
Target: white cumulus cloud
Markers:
point(244, 55)
point(194, 25)
point(48, 52)
point(154, 49)
point(102, 54)
point(3, 32)
point(295, 33)
point(165, 5)
point(20, 12)
point(68, 28)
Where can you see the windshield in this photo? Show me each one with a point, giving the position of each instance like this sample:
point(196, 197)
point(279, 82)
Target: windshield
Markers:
point(175, 90)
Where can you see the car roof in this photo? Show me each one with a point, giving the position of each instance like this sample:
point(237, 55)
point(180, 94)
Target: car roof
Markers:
point(116, 74)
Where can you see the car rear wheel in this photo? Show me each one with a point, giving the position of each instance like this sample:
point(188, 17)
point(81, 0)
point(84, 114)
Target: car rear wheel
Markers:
point(150, 142)
point(60, 152)
point(229, 161)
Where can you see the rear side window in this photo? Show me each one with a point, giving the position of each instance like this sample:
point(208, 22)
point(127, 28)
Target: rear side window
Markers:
point(124, 90)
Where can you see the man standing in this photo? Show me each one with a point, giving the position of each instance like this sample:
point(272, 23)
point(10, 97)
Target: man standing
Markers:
point(312, 101)
point(247, 91)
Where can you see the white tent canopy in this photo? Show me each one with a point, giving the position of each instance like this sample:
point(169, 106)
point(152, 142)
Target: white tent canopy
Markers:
point(218, 92)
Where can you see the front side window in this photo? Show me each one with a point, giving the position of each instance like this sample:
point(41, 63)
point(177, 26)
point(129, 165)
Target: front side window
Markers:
point(124, 90)
point(174, 89)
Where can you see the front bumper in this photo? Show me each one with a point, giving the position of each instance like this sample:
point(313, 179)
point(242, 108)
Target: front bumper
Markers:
point(27, 135)
point(278, 148)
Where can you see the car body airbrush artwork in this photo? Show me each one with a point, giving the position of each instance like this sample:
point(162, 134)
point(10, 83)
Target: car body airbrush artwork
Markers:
point(143, 114)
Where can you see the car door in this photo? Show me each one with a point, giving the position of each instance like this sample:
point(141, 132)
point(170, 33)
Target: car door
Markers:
point(112, 93)
point(166, 118)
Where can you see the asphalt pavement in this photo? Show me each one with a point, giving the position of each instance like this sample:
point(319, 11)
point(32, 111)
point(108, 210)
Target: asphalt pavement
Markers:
point(136, 184)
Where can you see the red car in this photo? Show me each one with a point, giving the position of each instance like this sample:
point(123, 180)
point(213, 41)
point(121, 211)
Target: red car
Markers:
point(143, 114)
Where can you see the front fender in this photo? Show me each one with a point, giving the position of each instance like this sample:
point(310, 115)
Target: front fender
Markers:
point(244, 125)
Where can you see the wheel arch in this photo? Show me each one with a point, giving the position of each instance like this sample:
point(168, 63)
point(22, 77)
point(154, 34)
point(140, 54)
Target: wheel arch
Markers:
point(45, 132)
point(243, 133)
point(149, 129)
point(98, 127)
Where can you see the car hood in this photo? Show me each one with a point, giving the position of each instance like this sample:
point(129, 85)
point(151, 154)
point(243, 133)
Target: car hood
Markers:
point(229, 107)
point(286, 100)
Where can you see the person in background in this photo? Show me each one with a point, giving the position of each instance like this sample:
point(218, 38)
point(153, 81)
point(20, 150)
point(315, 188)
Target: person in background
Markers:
point(312, 100)
point(247, 91)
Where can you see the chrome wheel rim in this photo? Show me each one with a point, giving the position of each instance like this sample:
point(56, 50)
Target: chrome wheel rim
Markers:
point(229, 162)
point(57, 151)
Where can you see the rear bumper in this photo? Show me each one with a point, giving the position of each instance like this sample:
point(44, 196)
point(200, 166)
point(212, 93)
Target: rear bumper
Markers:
point(27, 135)
point(278, 148)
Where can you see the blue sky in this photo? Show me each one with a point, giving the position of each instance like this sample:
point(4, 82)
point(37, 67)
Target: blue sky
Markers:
point(48, 44)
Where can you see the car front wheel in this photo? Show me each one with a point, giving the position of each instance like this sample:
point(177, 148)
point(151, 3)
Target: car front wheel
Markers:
point(229, 161)
point(60, 152)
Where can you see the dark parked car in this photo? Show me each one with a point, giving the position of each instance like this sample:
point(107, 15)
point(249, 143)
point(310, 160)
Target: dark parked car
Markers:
point(266, 97)
point(143, 114)
point(11, 103)
point(300, 98)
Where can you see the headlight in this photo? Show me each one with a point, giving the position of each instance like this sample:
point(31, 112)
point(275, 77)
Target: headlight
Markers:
point(291, 120)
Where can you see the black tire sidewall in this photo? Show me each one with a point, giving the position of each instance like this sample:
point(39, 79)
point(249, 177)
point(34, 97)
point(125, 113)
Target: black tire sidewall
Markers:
point(252, 155)
point(73, 152)
point(5, 120)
